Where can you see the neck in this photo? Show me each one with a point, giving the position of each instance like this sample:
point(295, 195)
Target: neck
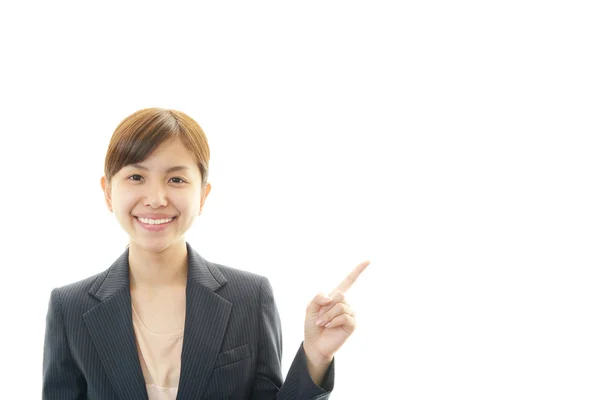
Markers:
point(157, 269)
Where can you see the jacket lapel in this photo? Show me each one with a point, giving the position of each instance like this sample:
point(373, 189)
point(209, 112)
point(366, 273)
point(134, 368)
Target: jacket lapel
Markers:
point(207, 316)
point(111, 328)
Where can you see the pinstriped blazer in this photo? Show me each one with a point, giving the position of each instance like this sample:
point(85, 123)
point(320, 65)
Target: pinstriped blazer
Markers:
point(231, 346)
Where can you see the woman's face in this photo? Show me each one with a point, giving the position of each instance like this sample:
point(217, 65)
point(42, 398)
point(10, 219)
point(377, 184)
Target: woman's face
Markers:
point(157, 200)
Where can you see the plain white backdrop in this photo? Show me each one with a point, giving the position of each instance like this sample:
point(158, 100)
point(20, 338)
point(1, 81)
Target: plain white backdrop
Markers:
point(453, 144)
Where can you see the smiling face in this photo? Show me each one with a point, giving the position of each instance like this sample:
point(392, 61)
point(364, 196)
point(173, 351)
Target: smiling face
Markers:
point(157, 200)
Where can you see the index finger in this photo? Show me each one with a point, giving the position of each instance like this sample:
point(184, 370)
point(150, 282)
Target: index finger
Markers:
point(351, 278)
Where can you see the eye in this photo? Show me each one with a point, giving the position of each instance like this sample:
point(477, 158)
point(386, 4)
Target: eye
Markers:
point(182, 181)
point(133, 176)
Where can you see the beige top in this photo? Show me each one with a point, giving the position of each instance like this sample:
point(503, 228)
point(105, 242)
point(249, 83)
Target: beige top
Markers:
point(160, 358)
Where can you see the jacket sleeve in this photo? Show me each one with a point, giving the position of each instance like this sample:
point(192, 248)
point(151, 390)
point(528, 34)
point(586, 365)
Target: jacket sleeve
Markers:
point(268, 379)
point(61, 377)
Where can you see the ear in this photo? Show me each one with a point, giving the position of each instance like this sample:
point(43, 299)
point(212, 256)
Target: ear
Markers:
point(106, 189)
point(205, 193)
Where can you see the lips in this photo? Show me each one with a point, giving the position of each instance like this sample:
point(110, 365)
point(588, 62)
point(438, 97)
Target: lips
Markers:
point(156, 219)
point(154, 216)
point(155, 227)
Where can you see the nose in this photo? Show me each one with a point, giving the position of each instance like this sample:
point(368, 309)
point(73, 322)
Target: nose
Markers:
point(156, 196)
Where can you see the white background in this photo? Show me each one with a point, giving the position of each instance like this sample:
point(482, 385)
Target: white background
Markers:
point(454, 144)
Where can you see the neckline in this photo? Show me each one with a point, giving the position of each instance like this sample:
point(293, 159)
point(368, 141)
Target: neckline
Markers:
point(172, 335)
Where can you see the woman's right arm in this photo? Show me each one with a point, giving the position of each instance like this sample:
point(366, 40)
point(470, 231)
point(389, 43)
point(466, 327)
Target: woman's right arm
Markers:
point(61, 378)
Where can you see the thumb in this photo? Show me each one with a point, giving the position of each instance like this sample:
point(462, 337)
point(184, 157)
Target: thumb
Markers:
point(317, 302)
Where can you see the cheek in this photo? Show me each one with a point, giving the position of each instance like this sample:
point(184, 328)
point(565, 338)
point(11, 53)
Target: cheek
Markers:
point(123, 202)
point(185, 200)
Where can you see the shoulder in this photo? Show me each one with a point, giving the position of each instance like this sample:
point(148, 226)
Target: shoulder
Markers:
point(243, 283)
point(77, 293)
point(235, 275)
point(81, 286)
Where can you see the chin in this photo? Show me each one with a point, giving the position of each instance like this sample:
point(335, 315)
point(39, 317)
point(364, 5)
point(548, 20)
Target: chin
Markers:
point(157, 245)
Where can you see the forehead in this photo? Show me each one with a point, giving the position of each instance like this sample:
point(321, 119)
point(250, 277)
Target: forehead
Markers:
point(168, 155)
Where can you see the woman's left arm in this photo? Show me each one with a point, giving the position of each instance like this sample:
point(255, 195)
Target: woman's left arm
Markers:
point(268, 381)
point(329, 323)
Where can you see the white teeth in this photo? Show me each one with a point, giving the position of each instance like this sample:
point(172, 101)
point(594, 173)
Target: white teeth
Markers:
point(155, 221)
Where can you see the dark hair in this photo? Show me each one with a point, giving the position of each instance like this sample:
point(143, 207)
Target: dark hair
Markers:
point(138, 135)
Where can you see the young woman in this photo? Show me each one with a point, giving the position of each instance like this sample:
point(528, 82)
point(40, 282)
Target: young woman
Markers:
point(164, 323)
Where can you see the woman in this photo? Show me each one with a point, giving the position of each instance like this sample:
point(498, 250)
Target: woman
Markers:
point(164, 323)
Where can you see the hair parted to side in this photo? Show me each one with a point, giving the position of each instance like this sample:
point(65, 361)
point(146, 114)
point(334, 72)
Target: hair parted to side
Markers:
point(138, 135)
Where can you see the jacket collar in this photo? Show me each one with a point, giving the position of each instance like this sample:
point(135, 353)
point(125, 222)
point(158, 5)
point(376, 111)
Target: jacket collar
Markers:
point(111, 327)
point(116, 277)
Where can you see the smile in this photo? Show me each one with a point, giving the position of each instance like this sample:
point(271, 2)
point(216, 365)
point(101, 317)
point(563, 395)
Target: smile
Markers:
point(154, 225)
point(155, 221)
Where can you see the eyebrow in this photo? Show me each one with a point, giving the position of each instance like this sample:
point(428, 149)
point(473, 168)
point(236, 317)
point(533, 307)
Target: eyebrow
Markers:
point(169, 170)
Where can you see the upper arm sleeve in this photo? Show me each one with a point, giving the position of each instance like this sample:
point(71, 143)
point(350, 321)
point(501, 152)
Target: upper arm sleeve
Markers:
point(61, 377)
point(268, 378)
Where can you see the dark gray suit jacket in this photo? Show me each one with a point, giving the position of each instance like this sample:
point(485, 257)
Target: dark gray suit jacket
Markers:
point(231, 345)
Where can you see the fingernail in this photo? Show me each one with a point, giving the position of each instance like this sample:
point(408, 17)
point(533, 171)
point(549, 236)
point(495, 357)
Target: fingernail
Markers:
point(319, 322)
point(321, 312)
point(328, 325)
